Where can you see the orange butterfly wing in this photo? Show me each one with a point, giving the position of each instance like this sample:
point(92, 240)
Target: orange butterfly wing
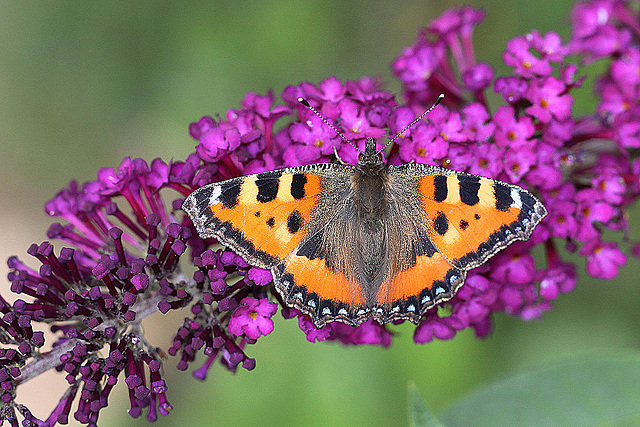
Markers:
point(264, 218)
point(467, 219)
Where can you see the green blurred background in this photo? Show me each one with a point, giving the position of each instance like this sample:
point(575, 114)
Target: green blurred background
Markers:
point(83, 85)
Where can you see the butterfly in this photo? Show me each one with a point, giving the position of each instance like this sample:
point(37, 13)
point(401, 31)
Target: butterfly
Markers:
point(352, 242)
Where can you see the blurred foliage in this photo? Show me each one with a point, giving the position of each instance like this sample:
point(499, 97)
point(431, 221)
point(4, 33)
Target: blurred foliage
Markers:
point(85, 84)
point(572, 391)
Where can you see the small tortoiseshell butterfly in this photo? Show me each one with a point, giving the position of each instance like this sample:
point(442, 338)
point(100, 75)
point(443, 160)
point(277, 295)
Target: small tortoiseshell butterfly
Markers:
point(352, 242)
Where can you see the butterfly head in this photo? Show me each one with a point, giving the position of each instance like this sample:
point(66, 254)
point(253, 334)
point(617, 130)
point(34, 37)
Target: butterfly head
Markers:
point(370, 156)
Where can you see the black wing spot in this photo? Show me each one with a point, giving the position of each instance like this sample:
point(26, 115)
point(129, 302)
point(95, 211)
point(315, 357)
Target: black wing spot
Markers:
point(257, 214)
point(440, 188)
point(267, 184)
point(271, 222)
point(294, 222)
point(476, 216)
point(528, 205)
point(229, 194)
point(502, 193)
point(441, 224)
point(425, 246)
point(469, 187)
point(311, 249)
point(463, 225)
point(297, 185)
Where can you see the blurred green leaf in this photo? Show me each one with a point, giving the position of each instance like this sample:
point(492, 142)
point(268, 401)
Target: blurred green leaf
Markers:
point(593, 389)
point(419, 413)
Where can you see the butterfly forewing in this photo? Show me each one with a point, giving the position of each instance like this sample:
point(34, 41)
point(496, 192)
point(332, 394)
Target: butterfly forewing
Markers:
point(262, 216)
point(470, 218)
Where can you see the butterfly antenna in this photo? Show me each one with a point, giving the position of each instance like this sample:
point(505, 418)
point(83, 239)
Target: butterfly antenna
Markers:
point(435, 104)
point(306, 104)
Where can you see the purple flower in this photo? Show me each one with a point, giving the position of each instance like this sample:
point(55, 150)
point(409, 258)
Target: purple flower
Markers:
point(355, 123)
point(615, 100)
point(513, 265)
point(456, 20)
point(550, 45)
point(217, 139)
point(523, 61)
point(313, 334)
point(416, 65)
point(548, 100)
point(252, 318)
point(487, 160)
point(592, 208)
point(547, 173)
point(510, 130)
point(512, 89)
point(443, 328)
point(518, 162)
point(369, 332)
point(603, 259)
point(560, 279)
point(594, 32)
point(628, 133)
point(476, 124)
point(563, 222)
point(318, 139)
point(448, 123)
point(330, 90)
point(610, 183)
point(259, 276)
point(425, 144)
point(478, 77)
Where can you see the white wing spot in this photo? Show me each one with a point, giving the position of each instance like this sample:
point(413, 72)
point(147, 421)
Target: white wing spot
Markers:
point(515, 196)
point(215, 195)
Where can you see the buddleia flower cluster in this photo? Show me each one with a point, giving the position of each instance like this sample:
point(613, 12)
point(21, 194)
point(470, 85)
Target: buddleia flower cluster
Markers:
point(123, 250)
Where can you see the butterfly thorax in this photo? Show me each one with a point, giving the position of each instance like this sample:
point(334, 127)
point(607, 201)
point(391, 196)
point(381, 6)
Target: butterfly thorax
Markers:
point(369, 183)
point(370, 195)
